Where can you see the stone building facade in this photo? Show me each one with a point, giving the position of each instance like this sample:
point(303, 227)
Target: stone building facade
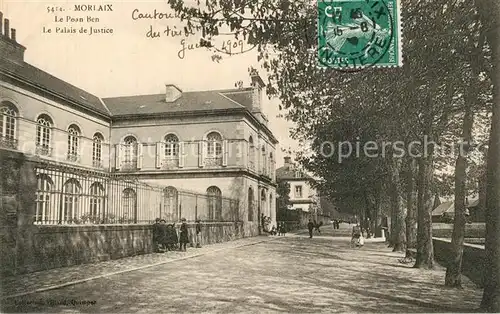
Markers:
point(210, 143)
point(303, 196)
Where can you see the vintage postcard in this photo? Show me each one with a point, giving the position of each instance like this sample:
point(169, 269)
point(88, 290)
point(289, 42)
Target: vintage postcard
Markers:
point(249, 156)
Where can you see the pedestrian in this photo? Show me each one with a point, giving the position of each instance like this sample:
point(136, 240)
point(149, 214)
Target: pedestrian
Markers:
point(174, 239)
point(184, 239)
point(284, 230)
point(163, 236)
point(273, 231)
point(198, 233)
point(356, 236)
point(310, 227)
point(156, 235)
point(317, 226)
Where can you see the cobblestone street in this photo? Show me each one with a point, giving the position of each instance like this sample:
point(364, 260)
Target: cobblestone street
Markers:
point(263, 274)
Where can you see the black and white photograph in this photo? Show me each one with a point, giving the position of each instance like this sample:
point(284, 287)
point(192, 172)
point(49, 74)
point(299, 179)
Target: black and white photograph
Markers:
point(250, 156)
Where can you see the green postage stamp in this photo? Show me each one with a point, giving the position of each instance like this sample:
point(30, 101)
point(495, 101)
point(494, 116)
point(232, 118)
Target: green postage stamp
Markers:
point(356, 34)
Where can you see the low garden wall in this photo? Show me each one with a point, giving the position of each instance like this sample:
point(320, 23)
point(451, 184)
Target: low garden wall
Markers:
point(473, 260)
point(444, 230)
point(46, 247)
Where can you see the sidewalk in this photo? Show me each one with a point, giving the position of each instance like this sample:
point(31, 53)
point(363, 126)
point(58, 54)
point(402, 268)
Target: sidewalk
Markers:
point(60, 277)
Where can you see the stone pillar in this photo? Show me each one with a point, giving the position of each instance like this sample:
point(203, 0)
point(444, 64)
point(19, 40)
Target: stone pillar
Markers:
point(18, 188)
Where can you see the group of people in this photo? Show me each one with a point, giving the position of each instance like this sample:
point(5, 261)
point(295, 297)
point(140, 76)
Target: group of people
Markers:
point(280, 231)
point(336, 223)
point(313, 226)
point(165, 236)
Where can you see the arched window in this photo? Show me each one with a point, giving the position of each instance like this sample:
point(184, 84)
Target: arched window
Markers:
point(130, 152)
point(171, 198)
point(97, 150)
point(250, 204)
point(43, 133)
point(129, 198)
point(214, 203)
point(97, 199)
point(263, 206)
point(73, 142)
point(171, 151)
point(251, 153)
point(214, 149)
point(8, 116)
point(43, 197)
point(264, 161)
point(71, 191)
point(171, 146)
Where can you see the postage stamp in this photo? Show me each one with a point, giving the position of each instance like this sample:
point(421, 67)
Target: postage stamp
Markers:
point(357, 34)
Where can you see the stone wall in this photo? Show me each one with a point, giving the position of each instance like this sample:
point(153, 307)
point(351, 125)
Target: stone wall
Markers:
point(47, 247)
point(474, 230)
point(473, 260)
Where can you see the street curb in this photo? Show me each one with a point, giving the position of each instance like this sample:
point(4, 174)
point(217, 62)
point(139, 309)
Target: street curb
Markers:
point(75, 282)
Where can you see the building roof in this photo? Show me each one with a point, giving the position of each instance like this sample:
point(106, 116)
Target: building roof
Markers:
point(187, 102)
point(449, 207)
point(445, 207)
point(288, 172)
point(48, 83)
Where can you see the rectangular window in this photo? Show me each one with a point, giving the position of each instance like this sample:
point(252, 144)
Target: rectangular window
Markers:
point(298, 191)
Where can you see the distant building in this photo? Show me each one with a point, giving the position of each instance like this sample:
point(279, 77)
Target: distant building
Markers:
point(445, 212)
point(214, 143)
point(303, 195)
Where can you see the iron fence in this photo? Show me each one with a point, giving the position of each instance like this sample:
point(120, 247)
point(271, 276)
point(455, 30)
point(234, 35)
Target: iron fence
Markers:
point(68, 195)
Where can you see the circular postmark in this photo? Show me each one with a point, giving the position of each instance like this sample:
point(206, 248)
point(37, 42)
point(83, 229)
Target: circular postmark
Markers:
point(353, 35)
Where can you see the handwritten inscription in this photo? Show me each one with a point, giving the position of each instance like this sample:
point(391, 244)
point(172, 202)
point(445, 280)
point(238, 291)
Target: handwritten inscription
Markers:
point(155, 15)
point(228, 46)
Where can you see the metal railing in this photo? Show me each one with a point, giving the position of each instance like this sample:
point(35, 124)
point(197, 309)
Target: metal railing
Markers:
point(73, 196)
point(43, 150)
point(8, 142)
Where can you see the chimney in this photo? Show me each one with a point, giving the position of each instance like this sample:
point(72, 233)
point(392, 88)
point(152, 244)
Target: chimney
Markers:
point(256, 79)
point(258, 94)
point(9, 47)
point(288, 161)
point(6, 27)
point(172, 93)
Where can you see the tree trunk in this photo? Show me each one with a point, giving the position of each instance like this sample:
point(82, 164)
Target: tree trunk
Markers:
point(425, 250)
point(489, 12)
point(399, 237)
point(392, 227)
point(411, 213)
point(377, 219)
point(482, 198)
point(454, 268)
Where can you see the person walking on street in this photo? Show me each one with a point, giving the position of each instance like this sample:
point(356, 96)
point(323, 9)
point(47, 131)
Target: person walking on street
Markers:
point(156, 235)
point(310, 227)
point(184, 239)
point(198, 234)
point(172, 238)
point(162, 238)
point(356, 239)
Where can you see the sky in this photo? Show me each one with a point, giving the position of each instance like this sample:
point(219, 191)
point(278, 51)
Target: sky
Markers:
point(128, 62)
